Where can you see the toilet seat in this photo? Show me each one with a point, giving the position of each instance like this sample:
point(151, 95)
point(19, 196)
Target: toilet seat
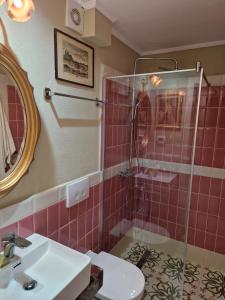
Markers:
point(121, 279)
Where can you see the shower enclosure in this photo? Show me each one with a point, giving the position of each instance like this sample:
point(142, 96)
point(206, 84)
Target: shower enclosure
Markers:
point(150, 128)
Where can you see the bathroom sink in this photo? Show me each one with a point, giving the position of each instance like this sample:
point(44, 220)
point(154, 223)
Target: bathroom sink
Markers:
point(60, 272)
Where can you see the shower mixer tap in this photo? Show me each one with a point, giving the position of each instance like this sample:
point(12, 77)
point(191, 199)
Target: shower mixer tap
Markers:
point(126, 173)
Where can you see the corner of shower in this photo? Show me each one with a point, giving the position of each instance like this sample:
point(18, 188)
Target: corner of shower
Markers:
point(148, 159)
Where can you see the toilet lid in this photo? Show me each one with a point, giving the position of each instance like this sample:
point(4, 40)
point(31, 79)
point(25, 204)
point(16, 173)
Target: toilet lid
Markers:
point(121, 279)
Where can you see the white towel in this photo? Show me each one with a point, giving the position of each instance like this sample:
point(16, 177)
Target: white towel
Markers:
point(7, 145)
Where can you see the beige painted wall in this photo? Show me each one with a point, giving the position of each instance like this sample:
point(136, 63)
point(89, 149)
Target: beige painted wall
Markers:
point(68, 147)
point(212, 58)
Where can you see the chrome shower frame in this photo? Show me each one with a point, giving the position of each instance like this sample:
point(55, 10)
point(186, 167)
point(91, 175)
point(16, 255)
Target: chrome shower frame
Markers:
point(175, 62)
point(198, 69)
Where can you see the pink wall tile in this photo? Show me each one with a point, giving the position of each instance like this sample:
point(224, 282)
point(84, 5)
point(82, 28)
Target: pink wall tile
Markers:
point(211, 225)
point(215, 187)
point(221, 227)
point(211, 117)
point(63, 214)
point(200, 238)
point(221, 121)
point(218, 158)
point(81, 246)
point(26, 226)
point(82, 207)
point(88, 219)
point(214, 206)
point(16, 118)
point(73, 212)
point(168, 207)
point(203, 202)
point(73, 233)
point(65, 225)
point(220, 242)
point(64, 235)
point(54, 236)
point(88, 241)
point(81, 227)
point(210, 242)
point(40, 222)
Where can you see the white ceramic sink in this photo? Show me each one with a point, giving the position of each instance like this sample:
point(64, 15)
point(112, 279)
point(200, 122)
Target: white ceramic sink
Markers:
point(62, 273)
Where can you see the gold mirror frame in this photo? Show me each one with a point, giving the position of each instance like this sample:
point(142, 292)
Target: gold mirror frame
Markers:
point(10, 63)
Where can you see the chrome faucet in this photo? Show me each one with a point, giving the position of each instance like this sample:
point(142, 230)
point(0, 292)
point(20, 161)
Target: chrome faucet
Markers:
point(9, 260)
point(10, 241)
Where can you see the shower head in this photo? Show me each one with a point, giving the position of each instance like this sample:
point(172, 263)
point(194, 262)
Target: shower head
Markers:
point(168, 59)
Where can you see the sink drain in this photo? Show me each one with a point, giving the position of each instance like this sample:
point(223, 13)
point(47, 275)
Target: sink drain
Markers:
point(30, 285)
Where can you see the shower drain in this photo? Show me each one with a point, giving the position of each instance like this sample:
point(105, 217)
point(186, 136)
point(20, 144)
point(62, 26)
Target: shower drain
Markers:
point(143, 259)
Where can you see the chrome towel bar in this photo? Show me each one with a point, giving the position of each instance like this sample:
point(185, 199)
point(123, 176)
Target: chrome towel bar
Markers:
point(48, 94)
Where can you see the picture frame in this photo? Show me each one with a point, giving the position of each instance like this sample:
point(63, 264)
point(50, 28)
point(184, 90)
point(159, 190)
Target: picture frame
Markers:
point(74, 60)
point(169, 110)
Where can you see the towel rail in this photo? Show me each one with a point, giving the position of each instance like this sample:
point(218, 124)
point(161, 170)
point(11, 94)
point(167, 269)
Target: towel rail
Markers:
point(48, 94)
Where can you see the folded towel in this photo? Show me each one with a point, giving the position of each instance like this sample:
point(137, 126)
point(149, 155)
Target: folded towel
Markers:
point(7, 145)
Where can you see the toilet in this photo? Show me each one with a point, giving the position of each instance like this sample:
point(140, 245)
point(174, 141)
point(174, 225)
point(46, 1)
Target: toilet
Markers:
point(121, 279)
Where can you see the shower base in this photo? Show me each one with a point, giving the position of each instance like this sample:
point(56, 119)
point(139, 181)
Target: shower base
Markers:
point(161, 261)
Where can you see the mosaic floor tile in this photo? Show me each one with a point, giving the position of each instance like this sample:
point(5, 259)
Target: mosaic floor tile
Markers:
point(165, 279)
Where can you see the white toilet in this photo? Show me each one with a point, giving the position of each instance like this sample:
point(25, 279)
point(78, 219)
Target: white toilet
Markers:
point(121, 279)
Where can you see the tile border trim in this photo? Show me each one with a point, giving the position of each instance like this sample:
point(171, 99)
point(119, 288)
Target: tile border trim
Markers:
point(166, 166)
point(37, 202)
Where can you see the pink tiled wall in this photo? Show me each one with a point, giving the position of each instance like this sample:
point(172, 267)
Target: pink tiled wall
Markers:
point(210, 150)
point(116, 215)
point(165, 204)
point(117, 124)
point(77, 227)
point(177, 146)
point(117, 150)
point(207, 214)
point(161, 207)
point(166, 143)
point(16, 118)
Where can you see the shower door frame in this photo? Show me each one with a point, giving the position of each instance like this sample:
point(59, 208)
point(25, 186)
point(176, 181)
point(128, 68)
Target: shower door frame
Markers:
point(202, 77)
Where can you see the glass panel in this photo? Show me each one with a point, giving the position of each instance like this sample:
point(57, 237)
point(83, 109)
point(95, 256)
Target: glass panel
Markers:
point(150, 125)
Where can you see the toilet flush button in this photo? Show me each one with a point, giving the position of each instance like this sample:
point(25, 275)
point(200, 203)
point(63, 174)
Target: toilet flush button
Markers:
point(77, 191)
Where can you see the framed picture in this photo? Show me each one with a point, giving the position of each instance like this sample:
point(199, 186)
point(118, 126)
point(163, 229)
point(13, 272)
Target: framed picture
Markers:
point(169, 110)
point(74, 60)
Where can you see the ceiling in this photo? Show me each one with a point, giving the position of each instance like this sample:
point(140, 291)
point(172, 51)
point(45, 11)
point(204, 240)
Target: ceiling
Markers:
point(157, 26)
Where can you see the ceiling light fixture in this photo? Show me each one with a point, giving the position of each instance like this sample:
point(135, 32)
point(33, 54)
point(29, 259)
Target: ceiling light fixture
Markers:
point(19, 10)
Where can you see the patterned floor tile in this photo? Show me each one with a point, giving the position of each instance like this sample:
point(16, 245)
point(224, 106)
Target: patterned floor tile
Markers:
point(166, 279)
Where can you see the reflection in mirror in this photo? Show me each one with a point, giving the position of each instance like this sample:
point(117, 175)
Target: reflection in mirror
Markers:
point(12, 124)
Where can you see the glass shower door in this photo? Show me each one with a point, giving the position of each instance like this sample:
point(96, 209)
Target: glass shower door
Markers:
point(148, 193)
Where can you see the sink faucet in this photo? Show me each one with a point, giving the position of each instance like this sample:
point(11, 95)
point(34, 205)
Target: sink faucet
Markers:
point(9, 242)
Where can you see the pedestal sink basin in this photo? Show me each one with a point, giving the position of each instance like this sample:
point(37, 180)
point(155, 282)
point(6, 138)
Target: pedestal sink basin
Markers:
point(61, 273)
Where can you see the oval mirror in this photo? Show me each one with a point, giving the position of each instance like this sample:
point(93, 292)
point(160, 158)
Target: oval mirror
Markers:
point(19, 121)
